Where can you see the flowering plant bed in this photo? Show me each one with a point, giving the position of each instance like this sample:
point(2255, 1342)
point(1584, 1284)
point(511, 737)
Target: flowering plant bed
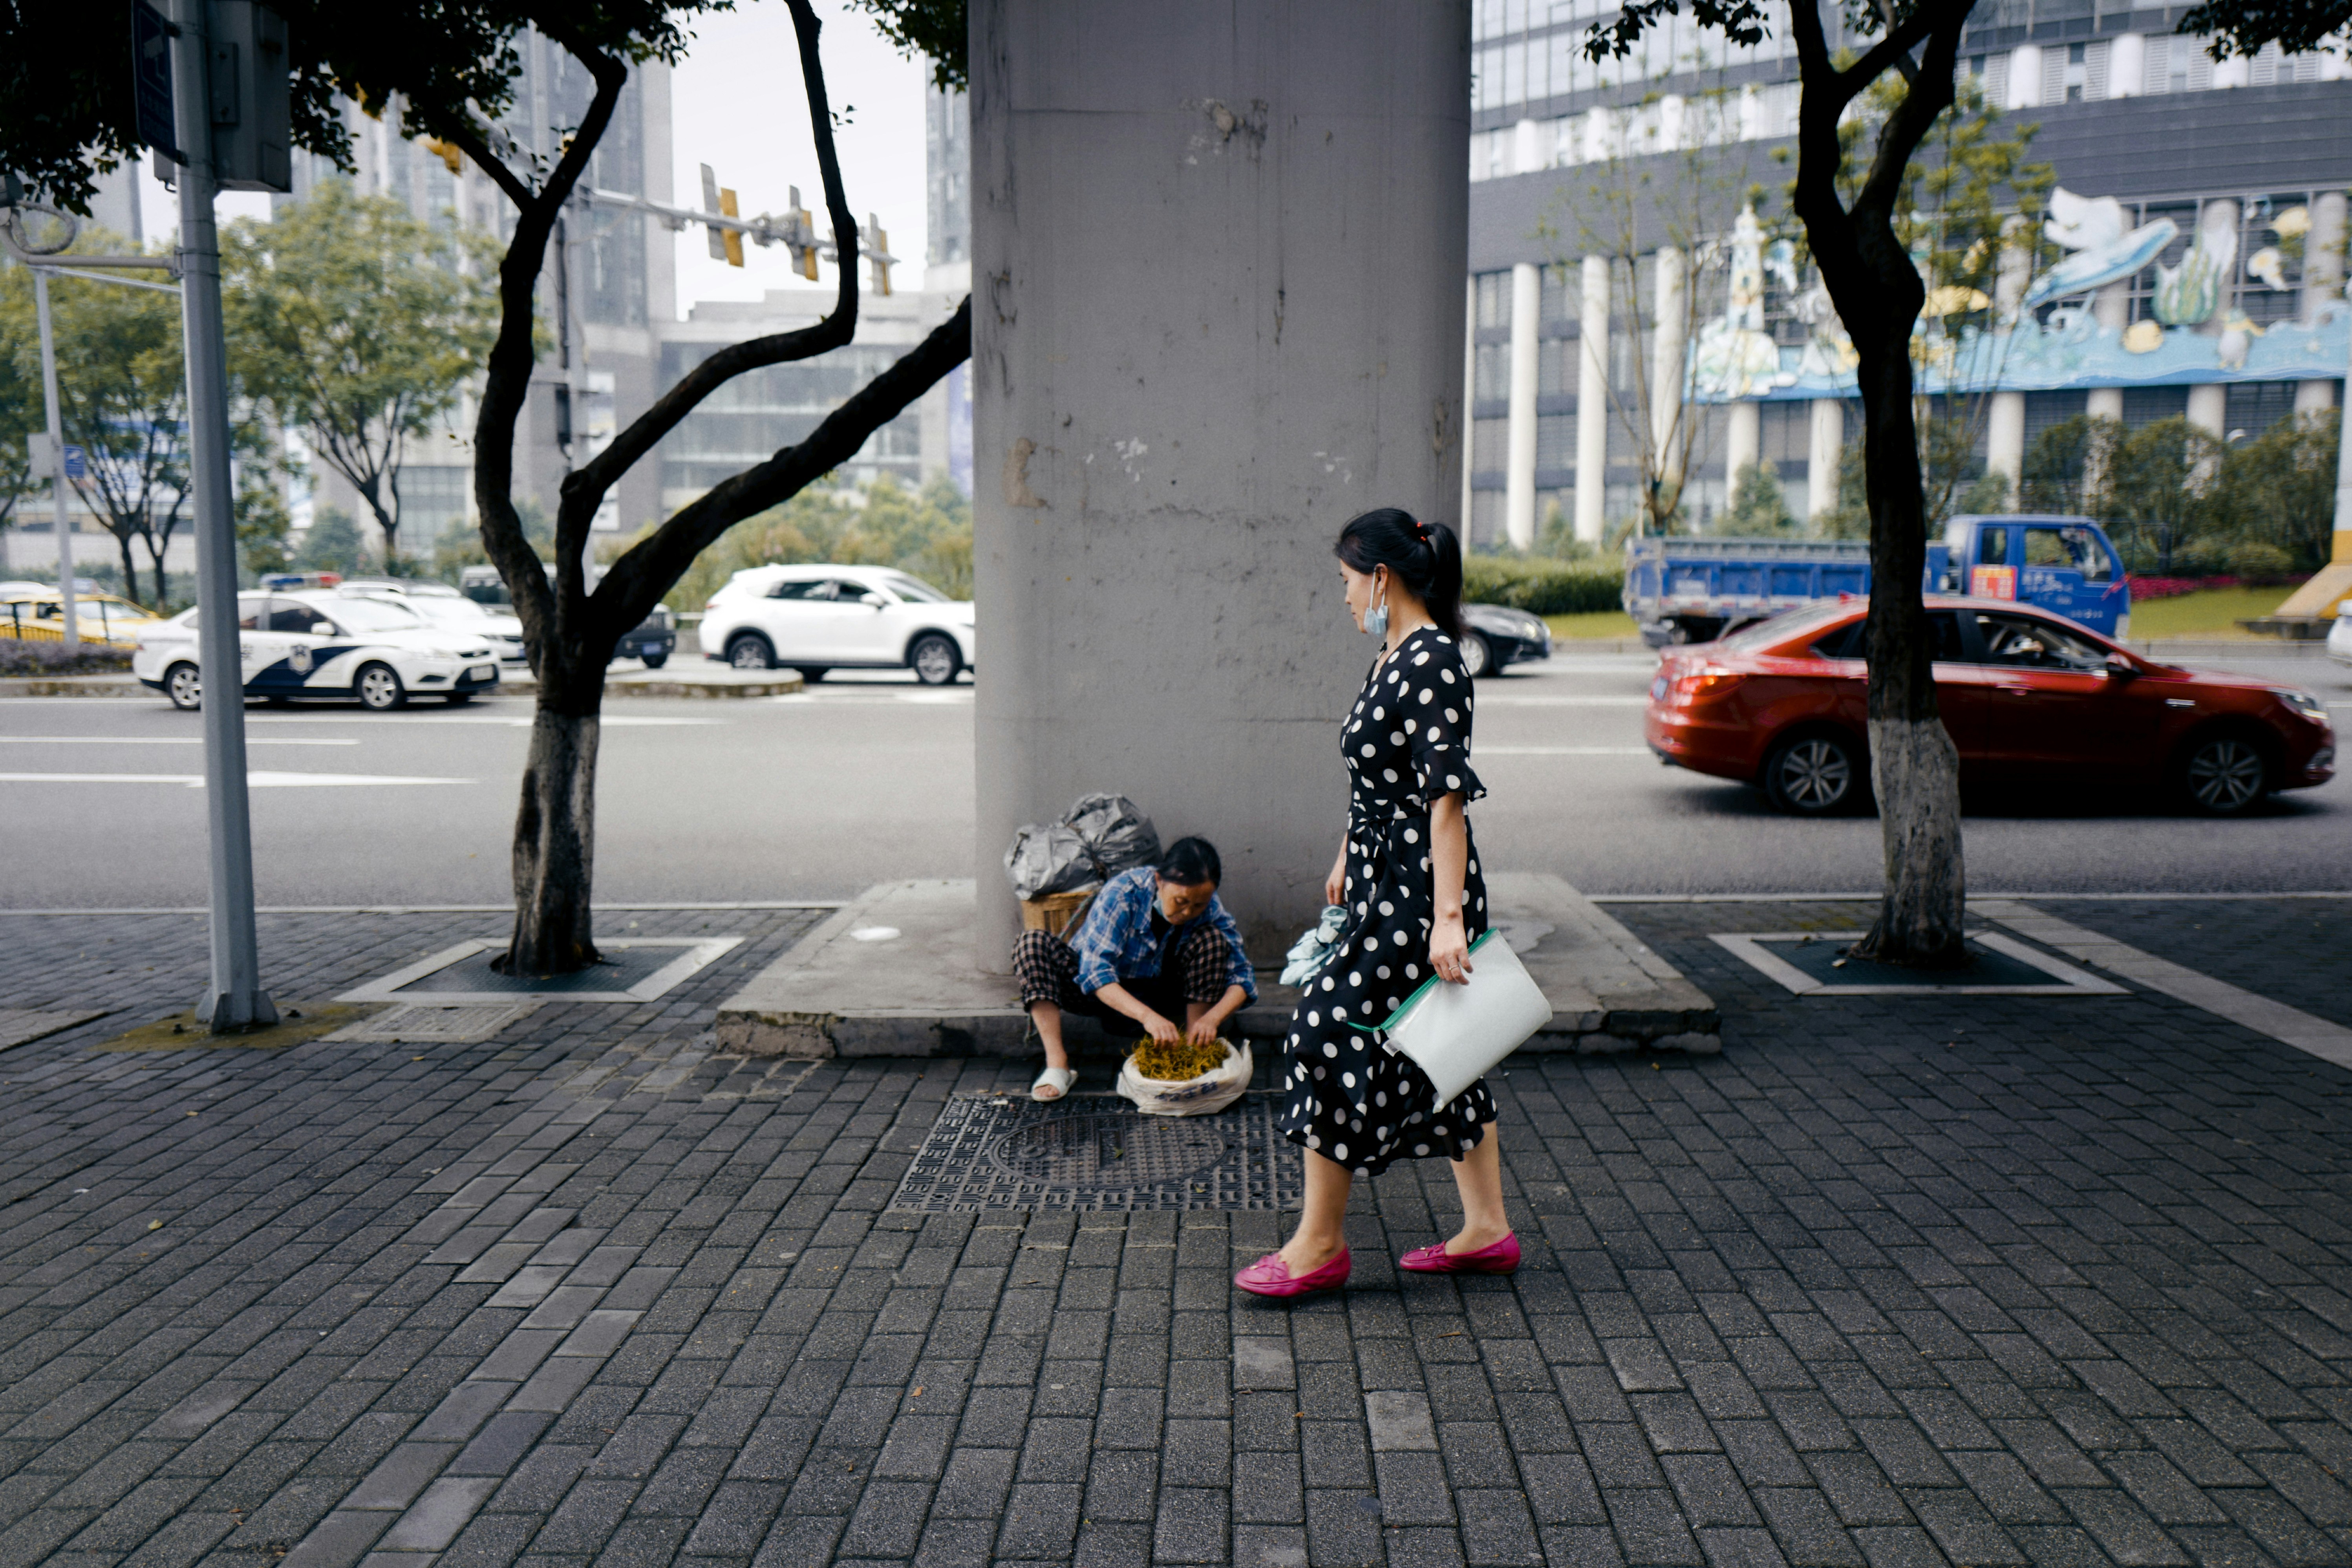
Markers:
point(2145, 588)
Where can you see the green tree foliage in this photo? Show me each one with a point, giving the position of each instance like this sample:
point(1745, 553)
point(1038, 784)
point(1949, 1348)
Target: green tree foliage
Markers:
point(460, 544)
point(20, 389)
point(123, 398)
point(1849, 518)
point(357, 324)
point(1758, 508)
point(926, 533)
point(2274, 502)
point(2153, 496)
point(2064, 462)
point(331, 542)
point(929, 30)
point(264, 529)
point(1545, 587)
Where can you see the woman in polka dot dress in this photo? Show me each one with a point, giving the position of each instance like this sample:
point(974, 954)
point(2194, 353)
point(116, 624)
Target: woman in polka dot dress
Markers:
point(1408, 876)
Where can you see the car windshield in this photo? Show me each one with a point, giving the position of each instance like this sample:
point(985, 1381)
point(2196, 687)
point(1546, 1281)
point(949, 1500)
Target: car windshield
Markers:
point(1787, 623)
point(374, 615)
point(450, 612)
point(914, 588)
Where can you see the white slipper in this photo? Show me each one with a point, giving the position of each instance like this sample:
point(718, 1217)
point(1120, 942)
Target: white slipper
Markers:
point(1059, 1078)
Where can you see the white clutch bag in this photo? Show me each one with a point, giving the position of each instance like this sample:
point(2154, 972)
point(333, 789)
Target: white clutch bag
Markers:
point(1455, 1034)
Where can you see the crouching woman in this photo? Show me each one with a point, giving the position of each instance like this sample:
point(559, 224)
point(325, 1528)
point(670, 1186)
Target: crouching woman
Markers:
point(1155, 946)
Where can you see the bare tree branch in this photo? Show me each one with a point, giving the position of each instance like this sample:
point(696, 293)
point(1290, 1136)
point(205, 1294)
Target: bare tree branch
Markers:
point(638, 579)
point(600, 473)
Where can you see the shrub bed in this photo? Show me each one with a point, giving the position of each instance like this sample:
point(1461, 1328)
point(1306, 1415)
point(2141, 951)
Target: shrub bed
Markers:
point(18, 656)
point(1543, 587)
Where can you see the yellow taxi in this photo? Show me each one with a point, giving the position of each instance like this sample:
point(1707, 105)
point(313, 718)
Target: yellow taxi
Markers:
point(33, 612)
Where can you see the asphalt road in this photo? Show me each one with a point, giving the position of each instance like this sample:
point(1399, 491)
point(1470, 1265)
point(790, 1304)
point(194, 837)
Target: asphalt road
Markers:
point(860, 780)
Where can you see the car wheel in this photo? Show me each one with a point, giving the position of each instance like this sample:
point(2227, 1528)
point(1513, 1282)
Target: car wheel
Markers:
point(813, 673)
point(656, 660)
point(934, 659)
point(378, 688)
point(750, 650)
point(1477, 655)
point(1814, 776)
point(184, 687)
point(2223, 775)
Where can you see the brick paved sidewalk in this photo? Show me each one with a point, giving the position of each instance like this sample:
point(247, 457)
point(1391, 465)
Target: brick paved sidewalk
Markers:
point(1891, 1281)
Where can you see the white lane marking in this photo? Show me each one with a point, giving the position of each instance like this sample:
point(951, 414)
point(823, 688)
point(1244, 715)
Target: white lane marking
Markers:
point(163, 740)
point(1478, 750)
point(903, 698)
point(252, 780)
point(609, 722)
point(2329, 1042)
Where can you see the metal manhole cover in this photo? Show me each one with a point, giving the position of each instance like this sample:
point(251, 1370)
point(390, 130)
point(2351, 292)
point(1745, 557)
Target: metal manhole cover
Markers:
point(1110, 1151)
point(992, 1153)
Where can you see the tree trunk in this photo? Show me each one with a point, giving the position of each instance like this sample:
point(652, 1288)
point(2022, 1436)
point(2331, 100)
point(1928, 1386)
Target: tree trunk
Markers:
point(155, 553)
point(555, 828)
point(130, 570)
point(1914, 766)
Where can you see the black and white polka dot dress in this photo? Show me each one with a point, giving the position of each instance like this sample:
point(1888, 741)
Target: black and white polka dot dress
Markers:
point(1350, 1099)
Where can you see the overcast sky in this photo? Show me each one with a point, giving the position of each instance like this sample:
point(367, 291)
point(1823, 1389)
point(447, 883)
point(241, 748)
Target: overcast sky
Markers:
point(737, 104)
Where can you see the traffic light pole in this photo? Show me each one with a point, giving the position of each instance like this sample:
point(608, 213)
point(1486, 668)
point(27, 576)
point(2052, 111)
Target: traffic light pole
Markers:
point(234, 1000)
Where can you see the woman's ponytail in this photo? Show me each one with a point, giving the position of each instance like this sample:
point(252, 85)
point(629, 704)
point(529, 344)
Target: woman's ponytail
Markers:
point(1426, 557)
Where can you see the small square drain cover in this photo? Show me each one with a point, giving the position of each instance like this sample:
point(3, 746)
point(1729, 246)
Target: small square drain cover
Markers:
point(1092, 1153)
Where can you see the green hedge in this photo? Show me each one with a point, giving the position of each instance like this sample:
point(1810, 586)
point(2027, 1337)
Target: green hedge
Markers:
point(1544, 587)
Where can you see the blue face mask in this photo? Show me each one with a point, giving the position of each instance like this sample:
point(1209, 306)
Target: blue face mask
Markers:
point(1376, 619)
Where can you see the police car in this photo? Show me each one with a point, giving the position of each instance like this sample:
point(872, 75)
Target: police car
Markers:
point(316, 644)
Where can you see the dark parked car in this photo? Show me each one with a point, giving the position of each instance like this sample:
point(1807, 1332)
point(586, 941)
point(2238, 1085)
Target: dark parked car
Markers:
point(652, 639)
point(1493, 636)
point(2029, 699)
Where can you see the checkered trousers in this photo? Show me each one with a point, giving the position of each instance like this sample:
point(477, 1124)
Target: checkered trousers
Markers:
point(1197, 971)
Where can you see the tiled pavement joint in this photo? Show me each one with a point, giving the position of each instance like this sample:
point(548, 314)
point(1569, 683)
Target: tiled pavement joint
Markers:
point(1893, 1280)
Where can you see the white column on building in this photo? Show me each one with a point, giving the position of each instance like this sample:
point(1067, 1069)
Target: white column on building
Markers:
point(1519, 468)
point(1668, 336)
point(2127, 65)
point(1743, 439)
point(2005, 420)
point(1527, 154)
point(1821, 453)
point(1469, 404)
point(2323, 283)
point(2025, 76)
point(2111, 308)
point(2209, 407)
point(1592, 404)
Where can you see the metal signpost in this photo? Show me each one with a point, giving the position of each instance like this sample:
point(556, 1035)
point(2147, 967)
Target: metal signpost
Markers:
point(234, 999)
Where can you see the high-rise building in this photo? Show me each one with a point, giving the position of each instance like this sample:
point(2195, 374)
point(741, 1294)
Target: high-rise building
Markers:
point(2171, 165)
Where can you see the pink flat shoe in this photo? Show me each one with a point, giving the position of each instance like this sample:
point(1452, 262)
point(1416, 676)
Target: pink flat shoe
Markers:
point(1502, 1257)
point(1270, 1276)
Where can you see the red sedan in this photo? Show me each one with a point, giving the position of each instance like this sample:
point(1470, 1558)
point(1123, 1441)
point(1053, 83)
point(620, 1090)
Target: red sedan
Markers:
point(2027, 697)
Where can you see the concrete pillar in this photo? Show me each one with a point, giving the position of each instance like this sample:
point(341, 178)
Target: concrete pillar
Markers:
point(1469, 400)
point(1519, 466)
point(2127, 65)
point(2024, 77)
point(1592, 404)
point(1668, 335)
point(2323, 285)
point(1527, 153)
point(2005, 438)
point(1189, 368)
point(1743, 438)
point(2209, 407)
point(1821, 453)
point(2111, 308)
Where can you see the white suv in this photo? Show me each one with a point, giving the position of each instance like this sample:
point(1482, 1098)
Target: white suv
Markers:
point(822, 617)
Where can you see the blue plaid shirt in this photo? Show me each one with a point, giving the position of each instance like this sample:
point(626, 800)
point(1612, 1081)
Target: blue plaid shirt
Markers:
point(1115, 940)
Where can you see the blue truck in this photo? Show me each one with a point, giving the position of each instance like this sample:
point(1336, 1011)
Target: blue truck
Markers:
point(1691, 590)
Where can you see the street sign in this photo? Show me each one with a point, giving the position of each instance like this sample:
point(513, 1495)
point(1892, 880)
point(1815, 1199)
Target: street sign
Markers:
point(77, 463)
point(151, 79)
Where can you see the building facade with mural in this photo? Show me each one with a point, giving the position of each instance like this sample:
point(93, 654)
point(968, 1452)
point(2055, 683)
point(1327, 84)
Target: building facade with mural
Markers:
point(2189, 261)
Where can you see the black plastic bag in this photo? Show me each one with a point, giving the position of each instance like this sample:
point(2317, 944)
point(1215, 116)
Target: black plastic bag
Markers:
point(1115, 832)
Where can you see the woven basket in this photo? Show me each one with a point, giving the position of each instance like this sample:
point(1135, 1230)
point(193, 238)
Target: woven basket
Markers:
point(1056, 912)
